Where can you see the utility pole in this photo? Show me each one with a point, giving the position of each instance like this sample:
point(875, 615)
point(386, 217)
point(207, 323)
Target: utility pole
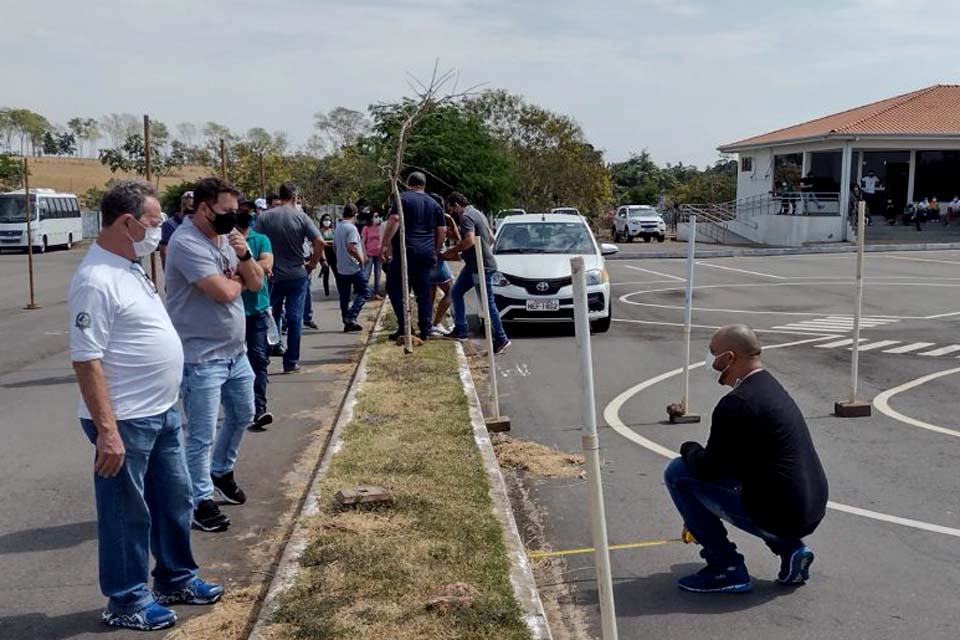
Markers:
point(223, 159)
point(148, 175)
point(263, 178)
point(32, 305)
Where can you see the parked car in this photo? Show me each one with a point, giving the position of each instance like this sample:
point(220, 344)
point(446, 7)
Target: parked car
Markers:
point(533, 282)
point(567, 211)
point(506, 213)
point(638, 221)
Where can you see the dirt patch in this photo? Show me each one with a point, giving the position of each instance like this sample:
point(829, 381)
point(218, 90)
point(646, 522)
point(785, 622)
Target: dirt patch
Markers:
point(535, 458)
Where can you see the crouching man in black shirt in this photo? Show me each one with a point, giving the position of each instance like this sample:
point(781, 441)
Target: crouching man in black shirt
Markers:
point(759, 472)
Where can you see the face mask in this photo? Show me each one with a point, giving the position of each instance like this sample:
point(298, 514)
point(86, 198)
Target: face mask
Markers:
point(711, 360)
point(376, 219)
point(150, 242)
point(244, 220)
point(326, 224)
point(223, 223)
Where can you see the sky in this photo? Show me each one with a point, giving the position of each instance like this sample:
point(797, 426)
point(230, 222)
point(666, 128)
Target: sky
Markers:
point(675, 77)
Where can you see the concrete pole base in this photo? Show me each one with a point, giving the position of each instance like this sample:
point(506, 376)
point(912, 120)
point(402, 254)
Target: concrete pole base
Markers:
point(685, 418)
point(852, 409)
point(498, 424)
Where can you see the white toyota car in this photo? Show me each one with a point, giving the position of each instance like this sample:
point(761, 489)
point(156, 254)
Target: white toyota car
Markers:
point(533, 281)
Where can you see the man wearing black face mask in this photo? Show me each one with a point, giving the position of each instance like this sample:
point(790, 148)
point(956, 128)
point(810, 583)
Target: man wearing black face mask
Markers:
point(208, 267)
point(759, 471)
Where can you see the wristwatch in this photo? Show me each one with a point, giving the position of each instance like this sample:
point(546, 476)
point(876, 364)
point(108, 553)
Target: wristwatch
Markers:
point(245, 257)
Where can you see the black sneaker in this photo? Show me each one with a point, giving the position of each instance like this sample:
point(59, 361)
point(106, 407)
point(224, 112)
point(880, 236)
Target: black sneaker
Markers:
point(277, 351)
point(351, 327)
point(261, 421)
point(227, 487)
point(208, 517)
point(294, 369)
point(311, 324)
point(500, 348)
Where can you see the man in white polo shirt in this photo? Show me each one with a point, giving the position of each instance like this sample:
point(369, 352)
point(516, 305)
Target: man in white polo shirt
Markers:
point(129, 362)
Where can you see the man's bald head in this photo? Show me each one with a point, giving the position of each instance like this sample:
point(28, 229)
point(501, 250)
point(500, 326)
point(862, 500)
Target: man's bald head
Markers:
point(738, 338)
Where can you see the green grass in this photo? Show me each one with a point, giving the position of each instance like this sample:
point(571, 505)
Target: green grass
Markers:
point(369, 573)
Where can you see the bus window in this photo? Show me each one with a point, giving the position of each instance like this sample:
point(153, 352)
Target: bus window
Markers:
point(45, 211)
point(74, 208)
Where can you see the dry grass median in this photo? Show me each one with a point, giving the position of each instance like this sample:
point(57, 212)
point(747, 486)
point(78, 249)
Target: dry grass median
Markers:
point(372, 573)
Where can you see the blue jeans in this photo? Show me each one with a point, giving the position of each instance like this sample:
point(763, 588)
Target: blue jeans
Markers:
point(258, 353)
point(358, 284)
point(287, 296)
point(205, 388)
point(144, 508)
point(308, 304)
point(419, 267)
point(704, 506)
point(373, 264)
point(465, 281)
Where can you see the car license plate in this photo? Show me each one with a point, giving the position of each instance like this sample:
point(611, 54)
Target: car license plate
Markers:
point(543, 305)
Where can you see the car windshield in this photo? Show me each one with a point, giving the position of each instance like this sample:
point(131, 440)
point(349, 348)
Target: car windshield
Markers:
point(12, 209)
point(544, 237)
point(640, 213)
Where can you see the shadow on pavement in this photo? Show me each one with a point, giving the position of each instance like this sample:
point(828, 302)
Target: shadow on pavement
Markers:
point(33, 626)
point(657, 594)
point(41, 382)
point(47, 539)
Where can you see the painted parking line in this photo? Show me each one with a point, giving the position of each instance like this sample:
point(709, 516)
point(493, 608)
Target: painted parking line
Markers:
point(656, 273)
point(839, 343)
point(836, 324)
point(880, 344)
point(882, 403)
point(907, 348)
point(752, 273)
point(942, 351)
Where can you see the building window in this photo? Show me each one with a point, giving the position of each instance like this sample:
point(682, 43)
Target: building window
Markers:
point(746, 164)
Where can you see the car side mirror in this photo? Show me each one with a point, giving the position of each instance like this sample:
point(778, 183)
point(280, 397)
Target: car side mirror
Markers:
point(608, 249)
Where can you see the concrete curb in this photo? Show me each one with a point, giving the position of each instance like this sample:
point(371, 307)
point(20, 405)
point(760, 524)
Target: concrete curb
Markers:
point(788, 251)
point(289, 564)
point(521, 575)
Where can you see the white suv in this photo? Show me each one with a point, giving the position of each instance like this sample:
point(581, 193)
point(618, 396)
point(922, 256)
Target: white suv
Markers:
point(638, 221)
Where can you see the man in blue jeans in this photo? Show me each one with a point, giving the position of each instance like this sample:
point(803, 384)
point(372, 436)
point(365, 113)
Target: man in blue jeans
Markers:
point(256, 304)
point(288, 228)
point(473, 225)
point(209, 265)
point(350, 262)
point(425, 229)
point(129, 361)
point(759, 472)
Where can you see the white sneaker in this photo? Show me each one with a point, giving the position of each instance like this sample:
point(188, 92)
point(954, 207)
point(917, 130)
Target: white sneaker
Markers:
point(440, 330)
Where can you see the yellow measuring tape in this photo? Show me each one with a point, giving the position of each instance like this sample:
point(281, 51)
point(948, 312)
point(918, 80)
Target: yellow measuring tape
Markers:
point(685, 537)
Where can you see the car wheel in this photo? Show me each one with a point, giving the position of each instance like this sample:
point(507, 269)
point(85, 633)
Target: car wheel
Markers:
point(603, 324)
point(661, 238)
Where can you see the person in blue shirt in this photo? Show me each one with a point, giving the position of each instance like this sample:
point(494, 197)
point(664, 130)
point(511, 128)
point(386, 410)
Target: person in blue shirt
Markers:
point(425, 229)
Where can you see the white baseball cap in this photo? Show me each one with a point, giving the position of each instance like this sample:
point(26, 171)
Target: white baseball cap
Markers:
point(260, 204)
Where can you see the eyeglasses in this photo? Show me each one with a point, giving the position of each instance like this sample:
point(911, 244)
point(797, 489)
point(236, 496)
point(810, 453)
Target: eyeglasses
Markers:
point(151, 285)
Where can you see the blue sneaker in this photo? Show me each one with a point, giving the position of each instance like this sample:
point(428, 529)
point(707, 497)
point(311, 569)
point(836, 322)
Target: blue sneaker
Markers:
point(150, 618)
point(795, 566)
point(718, 580)
point(197, 592)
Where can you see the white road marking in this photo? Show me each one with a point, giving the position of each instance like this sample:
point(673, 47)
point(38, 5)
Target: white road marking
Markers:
point(836, 324)
point(877, 345)
point(919, 259)
point(656, 273)
point(907, 348)
point(642, 282)
point(838, 343)
point(710, 326)
point(942, 351)
point(752, 273)
point(882, 403)
point(611, 414)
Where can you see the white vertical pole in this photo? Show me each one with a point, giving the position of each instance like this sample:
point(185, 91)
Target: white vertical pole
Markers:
point(485, 312)
point(912, 178)
point(845, 173)
point(591, 452)
point(855, 360)
point(688, 315)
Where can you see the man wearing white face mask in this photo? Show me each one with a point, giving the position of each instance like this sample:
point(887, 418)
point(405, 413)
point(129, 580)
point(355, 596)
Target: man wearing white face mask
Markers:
point(129, 362)
point(759, 472)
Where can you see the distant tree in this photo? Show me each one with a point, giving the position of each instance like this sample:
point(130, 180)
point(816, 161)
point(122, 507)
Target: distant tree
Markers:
point(131, 158)
point(170, 196)
point(49, 143)
point(187, 134)
point(29, 127)
point(11, 173)
point(340, 127)
point(120, 126)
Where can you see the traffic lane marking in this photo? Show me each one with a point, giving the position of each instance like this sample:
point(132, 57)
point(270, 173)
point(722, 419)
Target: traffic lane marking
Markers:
point(752, 273)
point(656, 273)
point(611, 414)
point(820, 334)
point(882, 403)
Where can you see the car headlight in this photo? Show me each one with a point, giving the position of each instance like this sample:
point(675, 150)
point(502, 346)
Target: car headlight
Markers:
point(500, 280)
point(596, 276)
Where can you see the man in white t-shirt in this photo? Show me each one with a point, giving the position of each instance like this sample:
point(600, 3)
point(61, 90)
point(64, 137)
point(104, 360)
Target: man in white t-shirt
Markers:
point(129, 362)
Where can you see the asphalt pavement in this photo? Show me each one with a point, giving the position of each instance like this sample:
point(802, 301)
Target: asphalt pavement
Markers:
point(888, 551)
point(48, 548)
